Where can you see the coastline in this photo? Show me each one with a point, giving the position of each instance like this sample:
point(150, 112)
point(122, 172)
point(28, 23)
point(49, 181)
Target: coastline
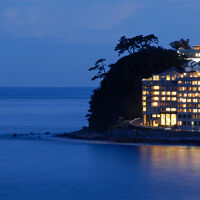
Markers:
point(136, 136)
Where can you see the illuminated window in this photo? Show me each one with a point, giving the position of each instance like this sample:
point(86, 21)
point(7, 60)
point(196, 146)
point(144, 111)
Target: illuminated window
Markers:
point(184, 105)
point(163, 119)
point(185, 94)
point(168, 77)
point(156, 78)
point(180, 95)
point(168, 120)
point(168, 98)
point(155, 98)
point(184, 110)
point(158, 115)
point(195, 110)
point(168, 93)
point(144, 98)
point(194, 88)
point(173, 98)
point(155, 93)
point(144, 103)
point(195, 100)
point(189, 89)
point(144, 109)
point(173, 119)
point(144, 92)
point(189, 110)
point(168, 109)
point(154, 115)
point(163, 98)
point(189, 94)
point(180, 123)
point(154, 104)
point(179, 82)
point(174, 93)
point(198, 82)
point(194, 82)
point(163, 92)
point(188, 100)
point(173, 109)
point(156, 87)
point(198, 88)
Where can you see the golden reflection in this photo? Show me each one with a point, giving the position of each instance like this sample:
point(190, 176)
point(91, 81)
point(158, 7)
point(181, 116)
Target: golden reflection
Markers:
point(175, 156)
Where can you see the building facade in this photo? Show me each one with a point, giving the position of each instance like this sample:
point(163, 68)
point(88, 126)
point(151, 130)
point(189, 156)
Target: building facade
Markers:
point(192, 54)
point(172, 99)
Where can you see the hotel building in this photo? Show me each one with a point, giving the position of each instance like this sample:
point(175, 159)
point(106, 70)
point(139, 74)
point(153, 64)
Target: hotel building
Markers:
point(172, 98)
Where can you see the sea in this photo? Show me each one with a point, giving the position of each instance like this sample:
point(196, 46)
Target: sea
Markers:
point(62, 169)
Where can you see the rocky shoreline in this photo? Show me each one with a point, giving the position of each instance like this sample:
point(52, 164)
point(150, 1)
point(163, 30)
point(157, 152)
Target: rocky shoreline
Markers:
point(137, 135)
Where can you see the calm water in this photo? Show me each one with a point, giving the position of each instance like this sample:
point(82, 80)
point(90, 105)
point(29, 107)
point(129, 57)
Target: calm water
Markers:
point(24, 110)
point(66, 170)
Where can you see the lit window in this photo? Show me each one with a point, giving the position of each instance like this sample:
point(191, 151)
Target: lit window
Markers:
point(188, 100)
point(155, 93)
point(194, 82)
point(163, 98)
point(185, 94)
point(184, 110)
point(163, 92)
point(194, 88)
point(144, 109)
point(154, 104)
point(179, 82)
point(155, 98)
point(168, 77)
point(180, 95)
point(195, 100)
point(154, 115)
point(144, 92)
point(198, 82)
point(144, 98)
point(195, 110)
point(168, 93)
point(184, 105)
point(173, 109)
point(156, 78)
point(174, 93)
point(168, 109)
point(168, 98)
point(144, 103)
point(189, 94)
point(180, 123)
point(156, 87)
point(189, 88)
point(173, 119)
point(173, 98)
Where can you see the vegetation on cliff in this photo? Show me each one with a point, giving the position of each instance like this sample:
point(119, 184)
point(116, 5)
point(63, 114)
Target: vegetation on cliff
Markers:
point(119, 92)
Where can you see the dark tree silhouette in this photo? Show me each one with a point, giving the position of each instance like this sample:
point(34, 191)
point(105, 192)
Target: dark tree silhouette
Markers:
point(131, 45)
point(185, 44)
point(119, 93)
point(100, 67)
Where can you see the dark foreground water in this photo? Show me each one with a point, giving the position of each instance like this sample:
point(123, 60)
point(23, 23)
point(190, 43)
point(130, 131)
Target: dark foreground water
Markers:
point(62, 170)
point(66, 170)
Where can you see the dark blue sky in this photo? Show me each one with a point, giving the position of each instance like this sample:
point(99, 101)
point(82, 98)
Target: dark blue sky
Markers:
point(53, 42)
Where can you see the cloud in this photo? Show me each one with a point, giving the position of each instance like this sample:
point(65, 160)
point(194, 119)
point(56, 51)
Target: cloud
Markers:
point(107, 16)
point(64, 19)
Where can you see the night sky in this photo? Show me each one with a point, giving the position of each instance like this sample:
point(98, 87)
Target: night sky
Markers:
point(54, 42)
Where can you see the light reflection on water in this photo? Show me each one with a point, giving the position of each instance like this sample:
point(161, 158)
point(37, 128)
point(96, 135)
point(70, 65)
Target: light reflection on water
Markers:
point(177, 156)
